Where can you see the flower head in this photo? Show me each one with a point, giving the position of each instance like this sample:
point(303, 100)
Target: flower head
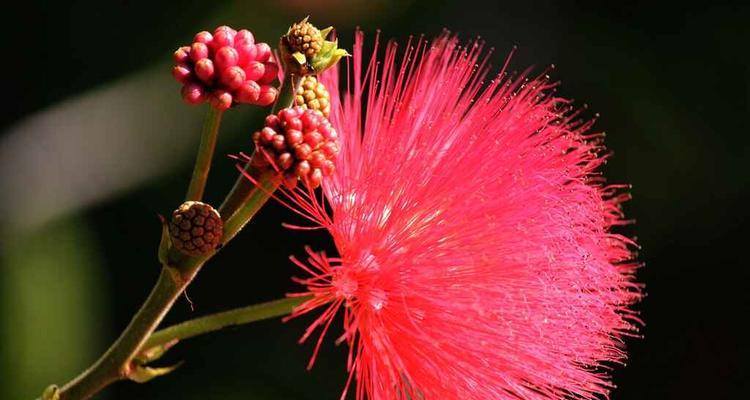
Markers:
point(298, 142)
point(225, 68)
point(476, 253)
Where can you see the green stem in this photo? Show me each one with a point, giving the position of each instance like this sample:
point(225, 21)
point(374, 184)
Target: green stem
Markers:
point(215, 322)
point(115, 363)
point(287, 92)
point(205, 153)
point(246, 198)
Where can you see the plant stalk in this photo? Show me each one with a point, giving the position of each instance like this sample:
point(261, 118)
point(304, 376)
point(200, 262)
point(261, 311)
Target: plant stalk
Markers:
point(115, 363)
point(215, 322)
point(209, 136)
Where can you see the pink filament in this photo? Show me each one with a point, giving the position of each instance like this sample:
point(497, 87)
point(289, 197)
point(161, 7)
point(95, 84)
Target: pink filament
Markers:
point(477, 259)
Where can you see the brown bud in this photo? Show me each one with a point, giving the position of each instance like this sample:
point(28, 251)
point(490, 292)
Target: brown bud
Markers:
point(305, 38)
point(196, 228)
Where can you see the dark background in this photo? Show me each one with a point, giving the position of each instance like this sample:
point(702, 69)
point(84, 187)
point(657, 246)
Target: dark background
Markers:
point(83, 177)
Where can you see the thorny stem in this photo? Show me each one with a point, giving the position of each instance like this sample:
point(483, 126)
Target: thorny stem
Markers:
point(215, 322)
point(205, 153)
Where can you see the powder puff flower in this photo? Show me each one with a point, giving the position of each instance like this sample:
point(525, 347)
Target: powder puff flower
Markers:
point(477, 258)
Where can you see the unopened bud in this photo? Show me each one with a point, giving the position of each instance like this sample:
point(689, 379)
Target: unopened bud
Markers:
point(305, 51)
point(301, 144)
point(313, 95)
point(226, 67)
point(196, 228)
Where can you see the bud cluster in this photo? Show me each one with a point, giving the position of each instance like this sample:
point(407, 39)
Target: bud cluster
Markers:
point(300, 143)
point(305, 50)
point(305, 38)
point(196, 228)
point(313, 95)
point(225, 68)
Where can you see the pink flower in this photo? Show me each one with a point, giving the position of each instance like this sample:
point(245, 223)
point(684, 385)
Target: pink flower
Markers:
point(477, 257)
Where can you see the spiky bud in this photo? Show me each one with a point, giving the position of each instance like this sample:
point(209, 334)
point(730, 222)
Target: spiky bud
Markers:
point(305, 51)
point(313, 95)
point(305, 38)
point(226, 68)
point(298, 142)
point(196, 228)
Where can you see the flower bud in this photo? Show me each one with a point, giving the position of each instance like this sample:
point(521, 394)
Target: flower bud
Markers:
point(305, 51)
point(196, 228)
point(226, 67)
point(312, 94)
point(305, 38)
point(193, 93)
point(295, 142)
point(221, 99)
point(181, 73)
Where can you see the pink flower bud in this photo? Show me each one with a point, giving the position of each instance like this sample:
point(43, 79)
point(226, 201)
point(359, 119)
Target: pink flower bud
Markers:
point(181, 73)
point(204, 69)
point(254, 70)
point(225, 28)
point(232, 77)
point(221, 100)
point(302, 151)
point(315, 178)
point(226, 57)
point(229, 67)
point(271, 72)
point(272, 121)
point(222, 37)
point(294, 149)
point(317, 159)
point(290, 180)
point(330, 149)
point(268, 95)
point(285, 161)
point(244, 37)
point(246, 52)
point(310, 120)
point(328, 132)
point(193, 93)
point(248, 92)
point(264, 52)
point(182, 55)
point(278, 142)
point(198, 51)
point(314, 139)
point(303, 168)
point(203, 37)
point(328, 168)
point(294, 137)
point(267, 134)
point(293, 123)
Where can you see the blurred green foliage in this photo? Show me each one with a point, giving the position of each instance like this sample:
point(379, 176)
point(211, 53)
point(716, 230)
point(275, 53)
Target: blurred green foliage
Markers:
point(53, 303)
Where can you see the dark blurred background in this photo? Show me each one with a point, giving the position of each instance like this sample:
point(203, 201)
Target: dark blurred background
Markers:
point(95, 142)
